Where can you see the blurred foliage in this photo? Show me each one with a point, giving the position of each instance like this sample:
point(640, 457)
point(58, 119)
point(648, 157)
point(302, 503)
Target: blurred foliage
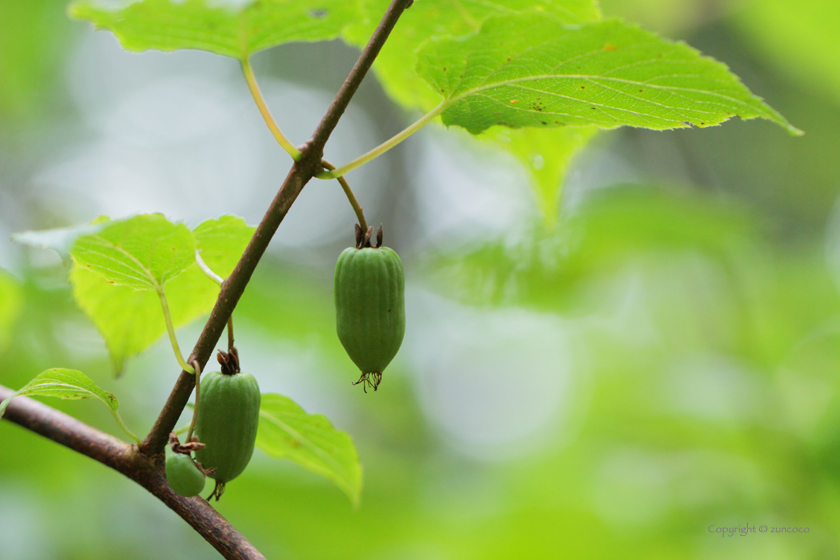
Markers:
point(33, 36)
point(10, 304)
point(798, 37)
point(666, 17)
point(703, 324)
point(547, 156)
point(546, 269)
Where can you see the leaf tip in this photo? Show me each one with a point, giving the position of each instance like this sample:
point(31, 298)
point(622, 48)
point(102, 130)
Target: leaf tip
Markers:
point(793, 131)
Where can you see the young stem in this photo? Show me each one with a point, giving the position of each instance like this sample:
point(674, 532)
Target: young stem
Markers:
point(345, 186)
point(167, 317)
point(266, 114)
point(385, 146)
point(197, 367)
point(144, 465)
point(230, 333)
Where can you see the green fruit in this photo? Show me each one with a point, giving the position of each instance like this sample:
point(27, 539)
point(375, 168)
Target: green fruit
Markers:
point(370, 308)
point(228, 414)
point(183, 475)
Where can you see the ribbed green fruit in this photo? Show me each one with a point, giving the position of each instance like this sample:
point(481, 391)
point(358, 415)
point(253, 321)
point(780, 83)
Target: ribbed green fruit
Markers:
point(183, 475)
point(370, 307)
point(228, 414)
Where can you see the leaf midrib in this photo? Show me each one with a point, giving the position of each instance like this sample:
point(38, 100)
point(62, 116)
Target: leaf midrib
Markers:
point(593, 78)
point(155, 284)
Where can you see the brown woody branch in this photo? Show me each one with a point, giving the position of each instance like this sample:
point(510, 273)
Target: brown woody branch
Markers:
point(126, 459)
point(300, 174)
point(144, 464)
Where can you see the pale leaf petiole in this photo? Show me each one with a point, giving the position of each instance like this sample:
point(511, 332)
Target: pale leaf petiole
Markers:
point(167, 317)
point(207, 270)
point(248, 72)
point(387, 145)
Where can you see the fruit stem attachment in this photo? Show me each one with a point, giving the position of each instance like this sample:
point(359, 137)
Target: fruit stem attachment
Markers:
point(167, 317)
point(231, 346)
point(248, 72)
point(345, 186)
point(197, 393)
point(385, 146)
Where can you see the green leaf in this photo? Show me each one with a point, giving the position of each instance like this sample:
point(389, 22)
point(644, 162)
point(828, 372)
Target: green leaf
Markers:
point(120, 266)
point(551, 270)
point(143, 252)
point(287, 432)
point(34, 40)
point(119, 270)
point(221, 242)
point(11, 303)
point(131, 320)
point(70, 384)
point(798, 37)
point(426, 19)
point(119, 273)
point(545, 154)
point(531, 70)
point(237, 29)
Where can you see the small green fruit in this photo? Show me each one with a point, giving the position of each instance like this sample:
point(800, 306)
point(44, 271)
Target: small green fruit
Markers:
point(183, 475)
point(370, 308)
point(228, 414)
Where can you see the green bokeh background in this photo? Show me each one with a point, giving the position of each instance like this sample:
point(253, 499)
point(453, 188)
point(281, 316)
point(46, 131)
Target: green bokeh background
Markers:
point(665, 361)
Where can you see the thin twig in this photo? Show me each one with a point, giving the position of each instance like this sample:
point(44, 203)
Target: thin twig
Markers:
point(144, 464)
point(300, 174)
point(230, 333)
point(354, 79)
point(345, 186)
point(124, 458)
